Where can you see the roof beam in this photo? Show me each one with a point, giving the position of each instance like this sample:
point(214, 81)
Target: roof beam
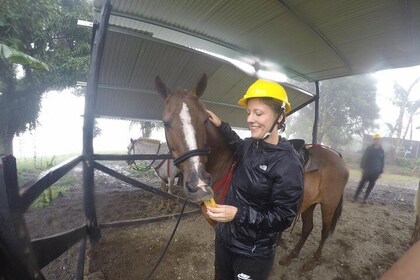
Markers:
point(317, 32)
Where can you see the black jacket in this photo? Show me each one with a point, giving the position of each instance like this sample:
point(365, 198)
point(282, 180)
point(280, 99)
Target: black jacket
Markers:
point(267, 185)
point(373, 160)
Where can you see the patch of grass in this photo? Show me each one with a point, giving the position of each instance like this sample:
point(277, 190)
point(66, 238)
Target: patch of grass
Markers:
point(387, 177)
point(49, 195)
point(31, 168)
point(141, 169)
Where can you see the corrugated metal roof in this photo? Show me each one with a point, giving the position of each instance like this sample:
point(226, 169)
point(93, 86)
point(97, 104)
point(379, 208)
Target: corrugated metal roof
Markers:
point(128, 71)
point(308, 40)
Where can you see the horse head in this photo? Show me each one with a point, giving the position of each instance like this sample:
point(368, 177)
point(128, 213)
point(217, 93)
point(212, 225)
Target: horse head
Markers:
point(186, 122)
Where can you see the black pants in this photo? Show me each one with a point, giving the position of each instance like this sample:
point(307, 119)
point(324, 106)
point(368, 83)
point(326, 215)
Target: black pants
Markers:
point(366, 177)
point(231, 266)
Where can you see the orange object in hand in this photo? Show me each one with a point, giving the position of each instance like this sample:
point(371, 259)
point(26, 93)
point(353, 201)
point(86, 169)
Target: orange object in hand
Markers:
point(210, 202)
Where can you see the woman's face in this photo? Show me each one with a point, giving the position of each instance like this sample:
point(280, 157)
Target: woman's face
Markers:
point(260, 118)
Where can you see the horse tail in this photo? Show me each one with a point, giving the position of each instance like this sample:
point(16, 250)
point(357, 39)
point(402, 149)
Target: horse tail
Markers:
point(295, 220)
point(337, 214)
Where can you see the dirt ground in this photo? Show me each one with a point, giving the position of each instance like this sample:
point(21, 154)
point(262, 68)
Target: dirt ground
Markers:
point(368, 238)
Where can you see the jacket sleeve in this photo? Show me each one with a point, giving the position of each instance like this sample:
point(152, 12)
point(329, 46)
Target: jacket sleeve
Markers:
point(286, 197)
point(382, 160)
point(230, 137)
point(364, 158)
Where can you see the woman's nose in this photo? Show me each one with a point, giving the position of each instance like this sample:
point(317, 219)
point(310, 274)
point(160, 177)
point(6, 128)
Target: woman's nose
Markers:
point(250, 118)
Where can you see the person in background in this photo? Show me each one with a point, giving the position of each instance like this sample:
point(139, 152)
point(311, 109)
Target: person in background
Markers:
point(266, 187)
point(372, 165)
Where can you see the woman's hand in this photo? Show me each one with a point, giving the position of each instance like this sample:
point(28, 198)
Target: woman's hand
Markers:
point(214, 119)
point(222, 213)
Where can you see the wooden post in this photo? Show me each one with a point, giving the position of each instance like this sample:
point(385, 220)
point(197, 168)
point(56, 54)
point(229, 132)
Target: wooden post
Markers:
point(17, 257)
point(89, 119)
point(315, 127)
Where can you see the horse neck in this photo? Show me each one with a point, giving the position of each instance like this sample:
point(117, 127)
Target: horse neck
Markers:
point(220, 158)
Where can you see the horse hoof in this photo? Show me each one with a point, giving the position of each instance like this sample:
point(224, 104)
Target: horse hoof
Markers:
point(285, 261)
point(282, 245)
point(309, 265)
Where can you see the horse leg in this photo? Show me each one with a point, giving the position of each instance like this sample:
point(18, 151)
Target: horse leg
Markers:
point(326, 228)
point(280, 241)
point(330, 216)
point(163, 204)
point(171, 204)
point(307, 226)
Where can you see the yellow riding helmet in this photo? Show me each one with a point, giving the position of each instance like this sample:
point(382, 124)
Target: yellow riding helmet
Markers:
point(376, 136)
point(265, 88)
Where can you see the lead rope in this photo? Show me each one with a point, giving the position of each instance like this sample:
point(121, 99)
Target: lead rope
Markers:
point(149, 166)
point(168, 243)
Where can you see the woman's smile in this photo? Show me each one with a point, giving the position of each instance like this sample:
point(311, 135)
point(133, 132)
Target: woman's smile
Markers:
point(260, 118)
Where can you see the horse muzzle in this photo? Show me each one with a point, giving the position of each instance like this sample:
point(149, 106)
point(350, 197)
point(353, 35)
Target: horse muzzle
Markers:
point(198, 190)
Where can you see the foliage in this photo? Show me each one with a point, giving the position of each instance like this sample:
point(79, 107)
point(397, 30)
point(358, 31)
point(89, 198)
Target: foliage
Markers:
point(413, 164)
point(406, 106)
point(47, 31)
point(28, 169)
point(14, 56)
point(347, 106)
point(146, 128)
point(141, 169)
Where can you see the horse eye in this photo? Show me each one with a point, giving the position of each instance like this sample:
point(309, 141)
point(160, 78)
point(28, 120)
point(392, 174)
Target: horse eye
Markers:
point(166, 124)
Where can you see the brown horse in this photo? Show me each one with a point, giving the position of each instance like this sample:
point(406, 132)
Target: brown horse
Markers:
point(204, 158)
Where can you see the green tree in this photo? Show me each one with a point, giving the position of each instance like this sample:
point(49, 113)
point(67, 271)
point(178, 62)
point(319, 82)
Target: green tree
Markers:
point(47, 31)
point(402, 99)
point(146, 128)
point(347, 106)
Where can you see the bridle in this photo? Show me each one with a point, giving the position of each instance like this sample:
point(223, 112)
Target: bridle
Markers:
point(187, 155)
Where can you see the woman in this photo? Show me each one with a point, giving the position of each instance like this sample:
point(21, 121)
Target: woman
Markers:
point(267, 185)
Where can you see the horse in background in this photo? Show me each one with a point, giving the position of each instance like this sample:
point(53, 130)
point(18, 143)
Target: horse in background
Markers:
point(165, 169)
point(204, 159)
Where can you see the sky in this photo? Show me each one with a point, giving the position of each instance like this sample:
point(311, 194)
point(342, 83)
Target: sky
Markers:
point(60, 129)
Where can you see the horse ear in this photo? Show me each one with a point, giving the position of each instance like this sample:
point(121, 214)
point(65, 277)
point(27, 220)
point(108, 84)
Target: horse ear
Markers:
point(131, 140)
point(201, 86)
point(161, 88)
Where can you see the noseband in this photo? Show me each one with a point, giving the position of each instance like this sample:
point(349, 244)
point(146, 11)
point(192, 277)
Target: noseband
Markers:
point(195, 152)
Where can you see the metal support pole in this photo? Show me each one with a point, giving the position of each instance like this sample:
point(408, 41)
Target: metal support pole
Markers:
point(89, 120)
point(316, 117)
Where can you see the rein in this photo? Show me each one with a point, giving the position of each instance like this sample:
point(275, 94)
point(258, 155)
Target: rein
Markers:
point(148, 277)
point(223, 185)
point(147, 167)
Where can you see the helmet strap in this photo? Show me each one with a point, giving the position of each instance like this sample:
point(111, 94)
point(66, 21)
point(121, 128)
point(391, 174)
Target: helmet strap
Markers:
point(275, 122)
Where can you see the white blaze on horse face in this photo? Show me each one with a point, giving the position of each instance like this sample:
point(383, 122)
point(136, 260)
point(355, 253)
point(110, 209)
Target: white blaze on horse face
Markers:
point(189, 134)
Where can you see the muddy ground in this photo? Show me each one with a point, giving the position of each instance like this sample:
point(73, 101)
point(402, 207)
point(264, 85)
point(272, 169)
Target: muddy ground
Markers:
point(368, 238)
